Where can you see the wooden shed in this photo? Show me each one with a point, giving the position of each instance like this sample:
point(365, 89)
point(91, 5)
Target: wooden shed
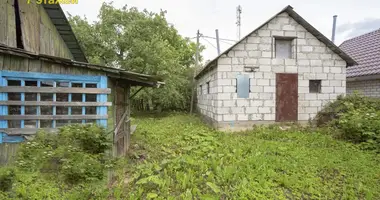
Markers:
point(46, 81)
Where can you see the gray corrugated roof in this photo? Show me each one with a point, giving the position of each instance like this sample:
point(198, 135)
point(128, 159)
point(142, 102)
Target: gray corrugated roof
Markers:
point(365, 49)
point(289, 9)
point(60, 21)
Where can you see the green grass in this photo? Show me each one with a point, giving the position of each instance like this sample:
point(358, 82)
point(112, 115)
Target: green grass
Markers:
point(177, 157)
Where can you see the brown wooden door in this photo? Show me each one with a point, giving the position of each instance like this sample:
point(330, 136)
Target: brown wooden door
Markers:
point(286, 97)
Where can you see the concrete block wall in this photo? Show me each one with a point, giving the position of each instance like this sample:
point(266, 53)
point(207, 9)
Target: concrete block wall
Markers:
point(207, 103)
point(370, 88)
point(312, 61)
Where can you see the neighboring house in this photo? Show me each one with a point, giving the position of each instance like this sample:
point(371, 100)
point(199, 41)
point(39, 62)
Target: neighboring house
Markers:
point(46, 82)
point(285, 70)
point(364, 77)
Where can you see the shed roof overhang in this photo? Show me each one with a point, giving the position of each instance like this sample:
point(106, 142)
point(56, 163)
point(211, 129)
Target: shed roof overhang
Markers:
point(134, 79)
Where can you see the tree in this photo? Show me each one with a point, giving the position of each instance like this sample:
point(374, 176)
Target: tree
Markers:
point(142, 42)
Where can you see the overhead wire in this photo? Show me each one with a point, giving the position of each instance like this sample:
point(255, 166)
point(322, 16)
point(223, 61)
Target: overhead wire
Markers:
point(226, 42)
point(219, 38)
point(209, 42)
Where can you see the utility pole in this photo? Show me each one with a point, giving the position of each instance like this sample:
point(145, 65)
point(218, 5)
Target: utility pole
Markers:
point(195, 72)
point(217, 41)
point(238, 20)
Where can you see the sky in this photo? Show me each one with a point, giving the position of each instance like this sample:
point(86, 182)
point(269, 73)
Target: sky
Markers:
point(355, 17)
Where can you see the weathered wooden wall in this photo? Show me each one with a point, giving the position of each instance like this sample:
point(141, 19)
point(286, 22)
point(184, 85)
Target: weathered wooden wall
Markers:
point(120, 92)
point(7, 23)
point(51, 42)
point(38, 32)
point(16, 63)
point(8, 152)
point(122, 106)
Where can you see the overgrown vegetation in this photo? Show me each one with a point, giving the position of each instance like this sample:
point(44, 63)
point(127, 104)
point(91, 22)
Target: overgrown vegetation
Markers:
point(354, 118)
point(177, 157)
point(71, 164)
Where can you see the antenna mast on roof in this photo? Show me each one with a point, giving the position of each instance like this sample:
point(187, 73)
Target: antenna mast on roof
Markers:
point(238, 20)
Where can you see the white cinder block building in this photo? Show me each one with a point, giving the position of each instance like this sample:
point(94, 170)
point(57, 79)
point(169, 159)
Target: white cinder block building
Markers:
point(285, 70)
point(364, 77)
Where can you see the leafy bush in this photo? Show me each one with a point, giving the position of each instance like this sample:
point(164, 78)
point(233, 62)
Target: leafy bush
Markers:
point(7, 176)
point(355, 118)
point(75, 153)
point(69, 164)
point(333, 109)
point(360, 126)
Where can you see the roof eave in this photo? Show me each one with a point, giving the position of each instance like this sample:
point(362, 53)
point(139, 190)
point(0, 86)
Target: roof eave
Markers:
point(134, 78)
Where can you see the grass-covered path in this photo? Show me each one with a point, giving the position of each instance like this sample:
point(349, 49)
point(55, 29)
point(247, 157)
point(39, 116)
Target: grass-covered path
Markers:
point(177, 157)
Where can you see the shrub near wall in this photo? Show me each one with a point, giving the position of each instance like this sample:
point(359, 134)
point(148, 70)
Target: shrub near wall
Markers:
point(356, 118)
point(70, 164)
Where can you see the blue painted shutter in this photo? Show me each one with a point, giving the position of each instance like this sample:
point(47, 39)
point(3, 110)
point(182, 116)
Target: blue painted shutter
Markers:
point(242, 86)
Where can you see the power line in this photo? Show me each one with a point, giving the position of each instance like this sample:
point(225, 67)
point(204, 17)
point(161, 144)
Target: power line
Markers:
point(209, 43)
point(219, 38)
point(227, 43)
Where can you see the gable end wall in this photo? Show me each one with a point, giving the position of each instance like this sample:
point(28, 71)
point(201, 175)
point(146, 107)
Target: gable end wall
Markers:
point(313, 61)
point(39, 34)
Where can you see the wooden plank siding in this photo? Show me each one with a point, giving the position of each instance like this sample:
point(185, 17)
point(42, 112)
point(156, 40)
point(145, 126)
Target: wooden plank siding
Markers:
point(51, 117)
point(8, 152)
point(7, 23)
point(26, 131)
point(30, 89)
point(11, 25)
point(21, 64)
point(39, 34)
point(51, 42)
point(30, 20)
point(53, 103)
point(122, 117)
point(3, 22)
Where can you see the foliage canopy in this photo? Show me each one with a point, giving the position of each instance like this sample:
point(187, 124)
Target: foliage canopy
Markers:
point(143, 42)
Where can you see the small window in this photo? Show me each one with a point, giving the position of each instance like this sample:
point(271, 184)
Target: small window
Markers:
point(208, 87)
point(283, 47)
point(315, 86)
point(200, 89)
